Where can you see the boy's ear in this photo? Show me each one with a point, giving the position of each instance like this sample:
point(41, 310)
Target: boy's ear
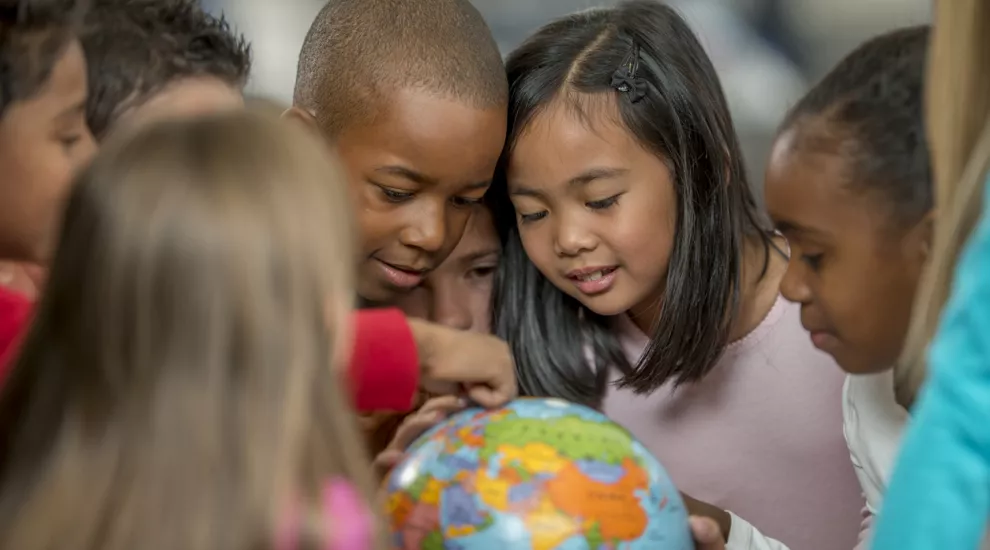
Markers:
point(299, 115)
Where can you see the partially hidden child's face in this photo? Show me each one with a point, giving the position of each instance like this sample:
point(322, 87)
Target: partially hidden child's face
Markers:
point(44, 140)
point(458, 293)
point(596, 212)
point(417, 173)
point(187, 97)
point(852, 269)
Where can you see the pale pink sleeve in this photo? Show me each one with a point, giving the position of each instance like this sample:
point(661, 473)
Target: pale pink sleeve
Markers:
point(350, 525)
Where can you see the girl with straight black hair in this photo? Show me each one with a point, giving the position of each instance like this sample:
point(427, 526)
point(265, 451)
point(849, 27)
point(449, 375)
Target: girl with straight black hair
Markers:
point(640, 276)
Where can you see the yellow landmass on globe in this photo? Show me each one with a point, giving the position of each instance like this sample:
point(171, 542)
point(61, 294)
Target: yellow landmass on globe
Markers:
point(493, 491)
point(454, 531)
point(547, 527)
point(431, 493)
point(536, 458)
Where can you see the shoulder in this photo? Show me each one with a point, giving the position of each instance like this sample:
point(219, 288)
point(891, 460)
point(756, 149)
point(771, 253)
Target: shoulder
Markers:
point(873, 423)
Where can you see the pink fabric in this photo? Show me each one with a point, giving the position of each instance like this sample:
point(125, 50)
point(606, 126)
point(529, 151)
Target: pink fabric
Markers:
point(349, 522)
point(760, 436)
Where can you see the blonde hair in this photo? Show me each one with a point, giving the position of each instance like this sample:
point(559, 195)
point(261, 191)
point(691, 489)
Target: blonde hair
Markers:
point(957, 105)
point(177, 389)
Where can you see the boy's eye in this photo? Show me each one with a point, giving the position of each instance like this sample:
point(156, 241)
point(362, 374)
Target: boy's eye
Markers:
point(529, 218)
point(464, 202)
point(394, 195)
point(603, 203)
point(814, 261)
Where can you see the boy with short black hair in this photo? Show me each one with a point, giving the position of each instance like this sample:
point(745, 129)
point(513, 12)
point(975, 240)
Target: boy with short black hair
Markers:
point(414, 96)
point(160, 58)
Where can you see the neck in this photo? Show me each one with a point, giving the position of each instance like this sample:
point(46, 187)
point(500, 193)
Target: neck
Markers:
point(759, 291)
point(762, 272)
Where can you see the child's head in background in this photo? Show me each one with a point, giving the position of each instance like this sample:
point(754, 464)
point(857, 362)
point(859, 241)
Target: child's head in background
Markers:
point(43, 135)
point(180, 361)
point(413, 95)
point(458, 293)
point(849, 184)
point(154, 59)
point(627, 191)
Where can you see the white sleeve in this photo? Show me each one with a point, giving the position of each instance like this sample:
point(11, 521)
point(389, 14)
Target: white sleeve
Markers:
point(743, 536)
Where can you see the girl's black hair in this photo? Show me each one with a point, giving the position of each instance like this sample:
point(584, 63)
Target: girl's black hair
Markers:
point(642, 54)
point(870, 110)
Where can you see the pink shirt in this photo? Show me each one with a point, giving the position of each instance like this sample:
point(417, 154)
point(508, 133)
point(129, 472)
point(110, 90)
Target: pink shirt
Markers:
point(760, 436)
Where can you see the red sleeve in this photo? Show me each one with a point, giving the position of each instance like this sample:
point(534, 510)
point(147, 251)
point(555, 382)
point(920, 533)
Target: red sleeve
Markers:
point(15, 312)
point(385, 364)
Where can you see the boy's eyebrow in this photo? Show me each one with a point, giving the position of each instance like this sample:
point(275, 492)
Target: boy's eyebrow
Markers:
point(423, 179)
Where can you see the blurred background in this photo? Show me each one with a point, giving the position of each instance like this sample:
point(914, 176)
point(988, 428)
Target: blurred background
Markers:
point(767, 51)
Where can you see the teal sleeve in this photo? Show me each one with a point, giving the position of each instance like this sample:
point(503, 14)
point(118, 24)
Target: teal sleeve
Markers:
point(939, 494)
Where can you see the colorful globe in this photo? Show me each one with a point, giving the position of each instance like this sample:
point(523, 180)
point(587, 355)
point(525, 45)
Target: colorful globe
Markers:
point(542, 474)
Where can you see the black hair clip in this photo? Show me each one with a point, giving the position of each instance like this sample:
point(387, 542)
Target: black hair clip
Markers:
point(624, 78)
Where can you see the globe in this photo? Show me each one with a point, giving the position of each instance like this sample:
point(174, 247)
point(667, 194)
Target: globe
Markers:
point(540, 474)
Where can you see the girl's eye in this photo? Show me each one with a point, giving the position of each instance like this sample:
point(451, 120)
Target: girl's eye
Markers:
point(603, 203)
point(482, 272)
point(814, 261)
point(536, 216)
point(465, 202)
point(394, 195)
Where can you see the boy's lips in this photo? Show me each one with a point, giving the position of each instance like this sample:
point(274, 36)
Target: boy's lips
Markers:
point(401, 276)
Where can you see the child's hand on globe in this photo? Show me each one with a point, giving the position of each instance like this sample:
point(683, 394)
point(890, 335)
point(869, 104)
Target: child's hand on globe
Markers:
point(454, 361)
point(707, 534)
point(416, 424)
point(698, 509)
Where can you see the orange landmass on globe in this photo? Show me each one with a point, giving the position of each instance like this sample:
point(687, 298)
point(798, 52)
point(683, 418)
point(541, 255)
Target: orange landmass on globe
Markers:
point(398, 507)
point(613, 506)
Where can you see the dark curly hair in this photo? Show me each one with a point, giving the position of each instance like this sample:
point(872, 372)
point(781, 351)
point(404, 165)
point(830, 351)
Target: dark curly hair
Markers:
point(869, 108)
point(135, 48)
point(33, 35)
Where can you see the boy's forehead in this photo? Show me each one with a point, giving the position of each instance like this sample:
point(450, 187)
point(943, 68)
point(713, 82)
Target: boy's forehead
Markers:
point(185, 97)
point(443, 138)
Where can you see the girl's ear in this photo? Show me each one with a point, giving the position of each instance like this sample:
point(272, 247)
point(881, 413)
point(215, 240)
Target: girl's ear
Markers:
point(922, 237)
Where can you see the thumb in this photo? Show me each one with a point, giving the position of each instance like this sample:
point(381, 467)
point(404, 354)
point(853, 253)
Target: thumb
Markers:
point(706, 533)
point(487, 396)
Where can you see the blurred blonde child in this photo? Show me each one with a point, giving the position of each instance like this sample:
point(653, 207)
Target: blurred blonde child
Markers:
point(173, 391)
